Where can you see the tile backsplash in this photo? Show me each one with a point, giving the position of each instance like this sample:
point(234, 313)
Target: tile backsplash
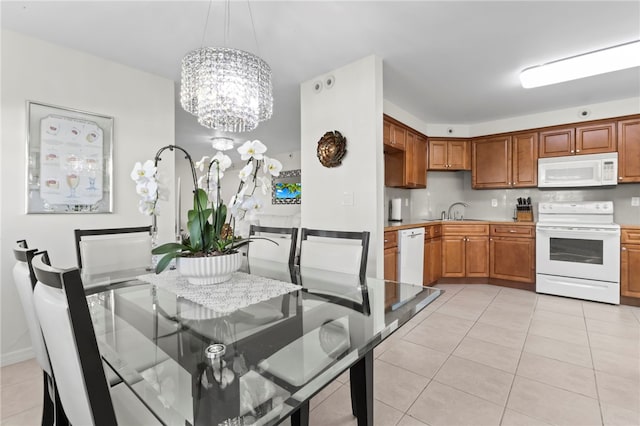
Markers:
point(445, 188)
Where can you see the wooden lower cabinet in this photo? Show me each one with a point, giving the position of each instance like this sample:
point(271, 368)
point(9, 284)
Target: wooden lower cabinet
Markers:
point(390, 267)
point(630, 263)
point(391, 264)
point(432, 260)
point(453, 264)
point(465, 256)
point(512, 259)
point(477, 257)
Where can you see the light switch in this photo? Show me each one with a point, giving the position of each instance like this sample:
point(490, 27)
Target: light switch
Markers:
point(635, 201)
point(494, 202)
point(347, 198)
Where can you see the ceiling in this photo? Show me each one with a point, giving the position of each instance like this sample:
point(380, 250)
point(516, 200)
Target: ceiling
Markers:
point(446, 62)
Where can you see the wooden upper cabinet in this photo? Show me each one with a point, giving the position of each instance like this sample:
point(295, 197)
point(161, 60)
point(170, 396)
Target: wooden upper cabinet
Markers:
point(405, 161)
point(592, 138)
point(449, 154)
point(393, 135)
point(458, 155)
point(438, 155)
point(629, 150)
point(418, 170)
point(491, 162)
point(557, 142)
point(596, 138)
point(524, 159)
point(505, 161)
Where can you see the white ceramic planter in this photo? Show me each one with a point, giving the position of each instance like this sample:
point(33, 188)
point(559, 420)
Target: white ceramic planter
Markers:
point(209, 270)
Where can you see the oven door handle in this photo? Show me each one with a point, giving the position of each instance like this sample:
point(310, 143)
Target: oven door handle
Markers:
point(558, 230)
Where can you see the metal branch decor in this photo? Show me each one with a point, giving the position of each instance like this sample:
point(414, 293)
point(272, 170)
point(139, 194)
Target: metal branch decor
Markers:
point(332, 148)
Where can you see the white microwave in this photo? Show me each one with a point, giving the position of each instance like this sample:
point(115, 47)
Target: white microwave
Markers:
point(578, 170)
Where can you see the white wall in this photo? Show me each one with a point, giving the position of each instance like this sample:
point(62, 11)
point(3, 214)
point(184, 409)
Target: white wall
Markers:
point(353, 106)
point(142, 106)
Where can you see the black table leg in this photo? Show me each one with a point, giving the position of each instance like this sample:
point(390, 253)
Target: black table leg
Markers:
point(362, 390)
point(300, 417)
point(48, 409)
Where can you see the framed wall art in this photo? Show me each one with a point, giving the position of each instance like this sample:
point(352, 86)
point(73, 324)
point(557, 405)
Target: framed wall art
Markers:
point(287, 188)
point(69, 160)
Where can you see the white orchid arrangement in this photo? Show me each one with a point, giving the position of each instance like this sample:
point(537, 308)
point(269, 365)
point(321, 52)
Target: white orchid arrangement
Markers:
point(209, 232)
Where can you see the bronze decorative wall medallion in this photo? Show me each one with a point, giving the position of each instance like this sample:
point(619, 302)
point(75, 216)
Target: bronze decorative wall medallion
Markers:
point(332, 148)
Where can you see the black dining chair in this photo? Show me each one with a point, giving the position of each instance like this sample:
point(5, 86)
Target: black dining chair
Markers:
point(104, 255)
point(25, 281)
point(340, 251)
point(63, 312)
point(273, 253)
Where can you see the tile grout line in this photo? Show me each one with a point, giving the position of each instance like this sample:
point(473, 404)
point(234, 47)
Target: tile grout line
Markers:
point(515, 374)
point(433, 379)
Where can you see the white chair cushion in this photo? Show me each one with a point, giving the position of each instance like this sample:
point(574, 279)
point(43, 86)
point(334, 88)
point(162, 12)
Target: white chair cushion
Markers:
point(333, 256)
point(22, 279)
point(101, 256)
point(53, 314)
point(277, 249)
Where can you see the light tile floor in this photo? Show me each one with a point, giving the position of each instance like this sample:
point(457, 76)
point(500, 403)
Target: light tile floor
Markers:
point(479, 355)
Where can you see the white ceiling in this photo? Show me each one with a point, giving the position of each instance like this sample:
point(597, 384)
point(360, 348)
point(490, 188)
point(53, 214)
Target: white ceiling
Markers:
point(445, 62)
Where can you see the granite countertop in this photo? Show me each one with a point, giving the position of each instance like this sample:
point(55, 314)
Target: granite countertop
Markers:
point(418, 222)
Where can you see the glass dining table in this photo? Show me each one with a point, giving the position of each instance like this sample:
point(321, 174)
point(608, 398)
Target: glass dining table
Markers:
point(253, 350)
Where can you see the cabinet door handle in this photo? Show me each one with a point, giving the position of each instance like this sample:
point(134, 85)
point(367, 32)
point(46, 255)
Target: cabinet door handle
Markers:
point(620, 178)
point(512, 230)
point(624, 249)
point(572, 151)
point(577, 150)
point(386, 241)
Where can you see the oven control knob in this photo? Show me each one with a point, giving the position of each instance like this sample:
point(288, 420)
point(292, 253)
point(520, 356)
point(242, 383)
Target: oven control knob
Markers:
point(597, 206)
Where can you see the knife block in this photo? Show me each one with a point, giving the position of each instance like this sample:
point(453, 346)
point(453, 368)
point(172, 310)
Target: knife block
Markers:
point(524, 216)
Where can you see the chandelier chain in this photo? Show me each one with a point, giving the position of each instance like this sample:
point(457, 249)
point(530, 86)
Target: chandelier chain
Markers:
point(206, 24)
point(253, 27)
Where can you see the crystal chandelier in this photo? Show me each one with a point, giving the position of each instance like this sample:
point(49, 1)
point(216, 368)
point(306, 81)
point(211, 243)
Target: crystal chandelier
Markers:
point(226, 89)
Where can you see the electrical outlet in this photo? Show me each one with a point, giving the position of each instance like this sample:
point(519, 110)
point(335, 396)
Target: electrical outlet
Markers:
point(406, 202)
point(494, 202)
point(635, 201)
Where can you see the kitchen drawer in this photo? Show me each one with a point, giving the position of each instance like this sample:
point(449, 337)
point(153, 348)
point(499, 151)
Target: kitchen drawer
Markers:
point(390, 239)
point(630, 236)
point(512, 231)
point(464, 229)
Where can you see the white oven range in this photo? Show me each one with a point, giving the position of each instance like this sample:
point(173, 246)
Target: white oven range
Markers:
point(578, 251)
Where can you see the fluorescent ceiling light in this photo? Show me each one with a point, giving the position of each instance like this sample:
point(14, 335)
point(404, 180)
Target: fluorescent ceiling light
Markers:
point(593, 63)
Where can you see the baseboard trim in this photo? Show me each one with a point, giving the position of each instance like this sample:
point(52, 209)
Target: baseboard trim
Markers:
point(16, 356)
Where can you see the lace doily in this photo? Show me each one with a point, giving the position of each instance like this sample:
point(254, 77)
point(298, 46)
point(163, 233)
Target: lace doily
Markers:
point(239, 292)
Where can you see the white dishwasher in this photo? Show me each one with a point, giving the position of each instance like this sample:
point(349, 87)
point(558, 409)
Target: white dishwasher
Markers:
point(411, 257)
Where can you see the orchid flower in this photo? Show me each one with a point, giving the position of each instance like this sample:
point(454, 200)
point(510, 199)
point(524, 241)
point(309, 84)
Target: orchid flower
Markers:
point(147, 208)
point(224, 162)
point(265, 184)
point(252, 149)
point(143, 171)
point(148, 190)
point(246, 172)
point(272, 166)
point(203, 163)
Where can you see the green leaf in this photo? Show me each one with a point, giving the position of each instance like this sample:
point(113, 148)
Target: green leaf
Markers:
point(168, 248)
point(200, 200)
point(164, 262)
point(195, 233)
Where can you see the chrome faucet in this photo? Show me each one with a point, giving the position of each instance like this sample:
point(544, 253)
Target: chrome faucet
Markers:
point(459, 203)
